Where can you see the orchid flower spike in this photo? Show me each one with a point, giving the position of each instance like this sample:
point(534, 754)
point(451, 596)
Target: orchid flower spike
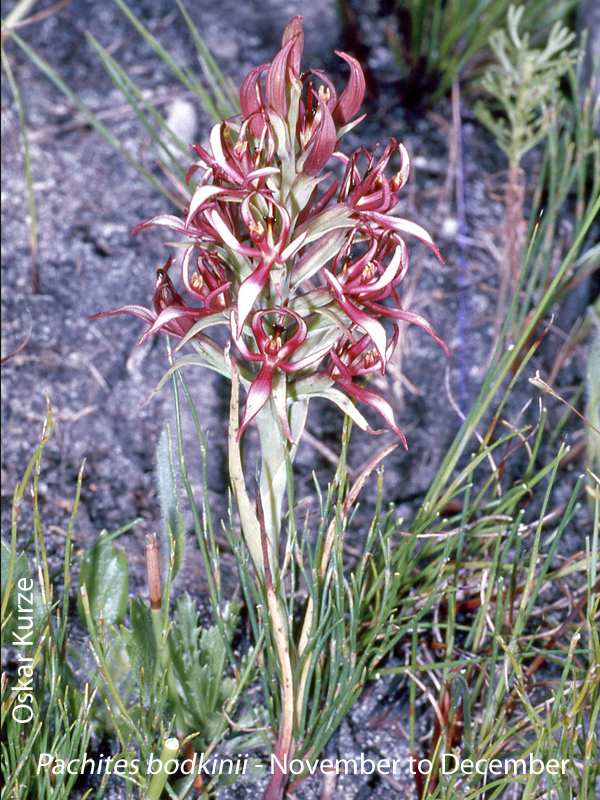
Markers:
point(305, 270)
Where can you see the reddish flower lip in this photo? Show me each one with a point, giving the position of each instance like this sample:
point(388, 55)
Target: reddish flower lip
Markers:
point(366, 277)
point(274, 353)
point(372, 191)
point(227, 162)
point(211, 286)
point(354, 360)
point(367, 322)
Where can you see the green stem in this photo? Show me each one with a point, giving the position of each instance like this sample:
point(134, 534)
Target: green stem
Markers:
point(261, 530)
point(248, 518)
point(275, 452)
point(280, 631)
point(157, 784)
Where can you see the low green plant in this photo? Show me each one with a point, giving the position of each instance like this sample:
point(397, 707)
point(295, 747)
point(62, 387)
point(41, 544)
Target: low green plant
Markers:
point(47, 716)
point(567, 186)
point(149, 676)
point(523, 86)
point(160, 674)
point(509, 675)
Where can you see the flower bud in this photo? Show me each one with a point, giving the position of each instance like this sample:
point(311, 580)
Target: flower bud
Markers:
point(153, 571)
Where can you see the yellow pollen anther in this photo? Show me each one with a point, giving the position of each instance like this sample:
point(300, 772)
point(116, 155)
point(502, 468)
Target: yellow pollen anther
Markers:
point(273, 345)
point(324, 93)
point(240, 147)
point(396, 181)
point(197, 281)
point(369, 271)
point(371, 358)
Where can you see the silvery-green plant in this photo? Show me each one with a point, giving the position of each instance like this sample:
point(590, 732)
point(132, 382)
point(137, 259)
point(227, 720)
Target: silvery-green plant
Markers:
point(524, 83)
point(523, 89)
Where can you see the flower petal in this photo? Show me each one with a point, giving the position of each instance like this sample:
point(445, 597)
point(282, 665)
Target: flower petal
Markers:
point(164, 221)
point(250, 289)
point(135, 311)
point(320, 385)
point(251, 100)
point(228, 238)
point(263, 172)
point(276, 81)
point(302, 363)
point(400, 225)
point(258, 394)
point(169, 318)
point(367, 322)
point(402, 175)
point(212, 296)
point(223, 162)
point(279, 395)
point(384, 280)
point(200, 196)
point(376, 402)
point(297, 338)
point(292, 247)
point(323, 142)
point(408, 316)
point(333, 96)
point(352, 96)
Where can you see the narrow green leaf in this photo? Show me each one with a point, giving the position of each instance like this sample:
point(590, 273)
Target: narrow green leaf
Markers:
point(24, 601)
point(169, 498)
